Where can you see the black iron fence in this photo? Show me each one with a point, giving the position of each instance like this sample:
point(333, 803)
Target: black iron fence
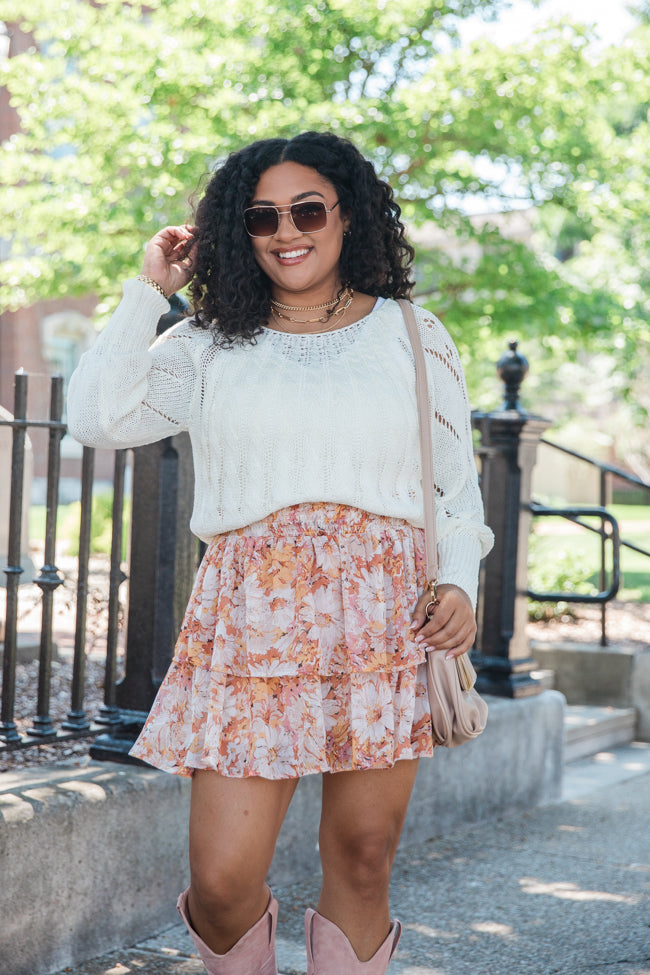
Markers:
point(162, 560)
point(16, 731)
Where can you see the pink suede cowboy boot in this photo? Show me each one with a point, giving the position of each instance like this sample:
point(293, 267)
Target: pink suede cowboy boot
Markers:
point(330, 953)
point(253, 954)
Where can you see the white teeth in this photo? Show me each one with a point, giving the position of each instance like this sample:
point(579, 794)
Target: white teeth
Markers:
point(286, 255)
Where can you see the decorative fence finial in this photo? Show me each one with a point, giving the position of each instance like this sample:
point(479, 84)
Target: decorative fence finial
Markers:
point(512, 367)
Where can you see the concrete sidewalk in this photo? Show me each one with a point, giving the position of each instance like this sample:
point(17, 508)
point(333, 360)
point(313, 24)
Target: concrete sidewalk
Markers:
point(561, 889)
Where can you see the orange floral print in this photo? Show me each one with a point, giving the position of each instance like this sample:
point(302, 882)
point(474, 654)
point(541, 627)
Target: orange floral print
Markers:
point(295, 655)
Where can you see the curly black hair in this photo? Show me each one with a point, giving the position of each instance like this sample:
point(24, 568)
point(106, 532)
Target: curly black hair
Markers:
point(231, 294)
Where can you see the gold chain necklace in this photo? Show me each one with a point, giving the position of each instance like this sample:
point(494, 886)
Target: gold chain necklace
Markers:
point(329, 328)
point(326, 304)
point(312, 321)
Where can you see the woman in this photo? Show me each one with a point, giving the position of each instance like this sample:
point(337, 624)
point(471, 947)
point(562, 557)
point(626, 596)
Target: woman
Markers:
point(303, 643)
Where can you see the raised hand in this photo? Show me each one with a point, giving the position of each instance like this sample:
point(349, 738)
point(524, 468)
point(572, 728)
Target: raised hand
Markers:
point(168, 258)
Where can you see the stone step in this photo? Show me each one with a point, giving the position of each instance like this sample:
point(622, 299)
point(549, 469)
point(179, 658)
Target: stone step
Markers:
point(590, 729)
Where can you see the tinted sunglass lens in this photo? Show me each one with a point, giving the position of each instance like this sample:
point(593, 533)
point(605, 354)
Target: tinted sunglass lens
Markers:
point(261, 221)
point(309, 217)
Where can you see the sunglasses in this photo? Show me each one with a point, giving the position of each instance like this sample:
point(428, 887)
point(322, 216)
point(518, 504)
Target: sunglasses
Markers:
point(307, 218)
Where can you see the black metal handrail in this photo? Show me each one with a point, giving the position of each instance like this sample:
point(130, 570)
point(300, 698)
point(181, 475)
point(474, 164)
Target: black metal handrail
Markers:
point(606, 471)
point(601, 465)
point(575, 515)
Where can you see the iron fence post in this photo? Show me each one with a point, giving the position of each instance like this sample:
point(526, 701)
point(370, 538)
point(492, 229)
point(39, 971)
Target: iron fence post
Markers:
point(603, 553)
point(509, 440)
point(109, 713)
point(77, 719)
point(13, 569)
point(49, 578)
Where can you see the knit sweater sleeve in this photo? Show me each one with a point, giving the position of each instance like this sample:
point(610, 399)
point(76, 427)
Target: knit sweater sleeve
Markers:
point(463, 536)
point(125, 391)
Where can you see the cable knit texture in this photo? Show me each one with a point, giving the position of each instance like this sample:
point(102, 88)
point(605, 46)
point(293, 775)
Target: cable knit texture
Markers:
point(292, 418)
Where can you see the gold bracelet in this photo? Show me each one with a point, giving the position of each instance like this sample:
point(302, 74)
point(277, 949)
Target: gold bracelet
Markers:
point(152, 284)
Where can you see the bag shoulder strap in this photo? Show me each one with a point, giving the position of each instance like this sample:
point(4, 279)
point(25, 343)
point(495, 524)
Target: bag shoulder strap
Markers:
point(426, 440)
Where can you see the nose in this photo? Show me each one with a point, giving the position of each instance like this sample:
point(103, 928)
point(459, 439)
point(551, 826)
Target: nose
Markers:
point(286, 228)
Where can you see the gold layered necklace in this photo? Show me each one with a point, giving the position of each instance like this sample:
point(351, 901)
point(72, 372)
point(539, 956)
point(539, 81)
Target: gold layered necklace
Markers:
point(278, 312)
point(337, 323)
point(326, 304)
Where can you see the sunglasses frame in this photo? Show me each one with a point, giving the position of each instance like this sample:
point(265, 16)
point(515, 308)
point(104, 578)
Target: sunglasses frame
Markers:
point(289, 210)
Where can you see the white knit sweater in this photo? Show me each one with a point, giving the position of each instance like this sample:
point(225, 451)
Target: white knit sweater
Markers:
point(292, 418)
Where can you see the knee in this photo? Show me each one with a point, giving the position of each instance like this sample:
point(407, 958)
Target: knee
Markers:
point(224, 889)
point(365, 858)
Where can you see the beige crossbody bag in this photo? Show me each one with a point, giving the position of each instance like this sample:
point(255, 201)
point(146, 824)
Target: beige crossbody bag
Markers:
point(458, 712)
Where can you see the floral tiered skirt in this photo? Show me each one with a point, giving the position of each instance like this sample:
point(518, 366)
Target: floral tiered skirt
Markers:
point(295, 654)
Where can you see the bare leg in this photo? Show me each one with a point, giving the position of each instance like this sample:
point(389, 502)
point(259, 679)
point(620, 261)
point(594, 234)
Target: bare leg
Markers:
point(361, 822)
point(234, 825)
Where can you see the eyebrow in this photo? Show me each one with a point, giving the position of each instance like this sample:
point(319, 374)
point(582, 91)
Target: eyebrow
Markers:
point(294, 199)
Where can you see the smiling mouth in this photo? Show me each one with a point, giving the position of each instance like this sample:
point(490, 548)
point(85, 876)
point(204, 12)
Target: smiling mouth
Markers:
point(292, 256)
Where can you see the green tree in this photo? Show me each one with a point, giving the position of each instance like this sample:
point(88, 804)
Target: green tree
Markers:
point(125, 107)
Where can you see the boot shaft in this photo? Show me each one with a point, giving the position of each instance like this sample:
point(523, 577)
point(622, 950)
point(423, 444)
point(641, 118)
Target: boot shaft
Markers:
point(253, 954)
point(330, 953)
